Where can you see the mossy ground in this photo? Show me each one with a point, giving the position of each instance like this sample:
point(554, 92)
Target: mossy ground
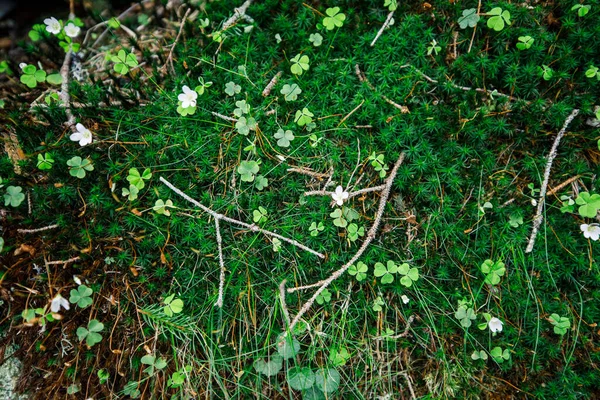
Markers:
point(463, 148)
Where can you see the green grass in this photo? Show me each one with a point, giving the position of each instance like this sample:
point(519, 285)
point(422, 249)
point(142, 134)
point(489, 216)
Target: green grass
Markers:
point(463, 149)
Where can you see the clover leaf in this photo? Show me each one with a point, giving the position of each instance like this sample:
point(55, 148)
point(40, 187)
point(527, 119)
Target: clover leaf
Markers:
point(499, 356)
point(392, 5)
point(31, 76)
point(465, 316)
point(81, 296)
point(582, 9)
point(525, 42)
point(479, 355)
point(259, 216)
point(469, 18)
point(269, 366)
point(316, 39)
point(411, 275)
point(245, 125)
point(386, 272)
point(545, 72)
point(124, 62)
point(242, 108)
point(499, 19)
point(261, 182)
point(92, 333)
point(334, 18)
point(200, 89)
point(153, 363)
point(300, 63)
point(561, 324)
point(248, 169)
point(354, 231)
point(13, 196)
point(172, 305)
point(285, 137)
point(303, 117)
point(324, 297)
point(54, 79)
point(493, 271)
point(589, 204)
point(290, 92)
point(515, 221)
point(136, 179)
point(359, 270)
point(378, 304)
point(45, 161)
point(338, 218)
point(78, 166)
point(232, 88)
point(131, 193)
point(300, 378)
point(160, 207)
point(287, 346)
point(314, 229)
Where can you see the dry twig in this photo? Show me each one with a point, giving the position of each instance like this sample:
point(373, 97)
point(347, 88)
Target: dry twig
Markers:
point(271, 84)
point(537, 220)
point(45, 228)
point(237, 14)
point(385, 25)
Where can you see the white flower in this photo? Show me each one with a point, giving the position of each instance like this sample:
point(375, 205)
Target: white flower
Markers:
point(76, 279)
point(495, 324)
point(591, 231)
point(405, 299)
point(339, 195)
point(72, 30)
point(52, 25)
point(83, 135)
point(57, 302)
point(188, 97)
point(22, 65)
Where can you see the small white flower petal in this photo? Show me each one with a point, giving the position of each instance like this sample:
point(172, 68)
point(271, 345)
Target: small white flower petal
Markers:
point(405, 299)
point(495, 324)
point(72, 30)
point(57, 302)
point(52, 25)
point(22, 65)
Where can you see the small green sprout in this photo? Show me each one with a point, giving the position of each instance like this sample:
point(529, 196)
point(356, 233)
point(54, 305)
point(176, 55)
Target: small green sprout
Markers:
point(338, 356)
point(14, 196)
point(493, 270)
point(545, 72)
point(103, 376)
point(314, 229)
point(593, 72)
point(5, 68)
point(113, 23)
point(161, 207)
point(78, 166)
point(316, 39)
point(561, 324)
point(525, 42)
point(582, 9)
point(124, 62)
point(92, 334)
point(248, 170)
point(433, 48)
point(290, 92)
point(334, 18)
point(201, 88)
point(300, 63)
point(499, 18)
point(392, 5)
point(378, 304)
point(303, 117)
point(82, 296)
point(259, 216)
point(136, 179)
point(499, 355)
point(276, 244)
point(469, 18)
point(324, 297)
point(284, 137)
point(172, 305)
point(269, 366)
point(153, 363)
point(359, 270)
point(231, 88)
point(378, 164)
point(178, 377)
point(568, 204)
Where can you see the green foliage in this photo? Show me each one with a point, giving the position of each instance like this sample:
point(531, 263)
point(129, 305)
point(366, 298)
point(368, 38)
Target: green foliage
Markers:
point(493, 270)
point(433, 48)
point(134, 178)
point(378, 164)
point(300, 63)
point(124, 62)
point(386, 272)
point(465, 315)
point(162, 207)
point(561, 324)
point(172, 305)
point(479, 355)
point(91, 335)
point(103, 376)
point(232, 88)
point(316, 39)
point(500, 355)
point(269, 366)
point(525, 42)
point(499, 18)
point(589, 204)
point(31, 76)
point(593, 72)
point(354, 232)
point(45, 161)
point(582, 9)
point(324, 297)
point(82, 296)
point(287, 346)
point(327, 380)
point(545, 72)
point(284, 137)
point(153, 363)
point(245, 125)
point(303, 117)
point(14, 196)
point(248, 170)
point(78, 166)
point(314, 229)
point(392, 5)
point(113, 23)
point(291, 92)
point(359, 271)
point(333, 19)
point(469, 18)
point(410, 275)
point(131, 389)
point(259, 216)
point(300, 378)
point(338, 218)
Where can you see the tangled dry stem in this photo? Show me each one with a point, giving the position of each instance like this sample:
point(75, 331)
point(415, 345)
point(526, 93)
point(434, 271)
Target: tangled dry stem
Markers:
point(323, 284)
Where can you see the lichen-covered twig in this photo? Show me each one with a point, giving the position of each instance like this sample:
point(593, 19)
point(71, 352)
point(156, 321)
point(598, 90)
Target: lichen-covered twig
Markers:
point(537, 220)
point(219, 302)
point(237, 14)
point(385, 25)
point(271, 84)
point(322, 285)
point(45, 228)
point(70, 260)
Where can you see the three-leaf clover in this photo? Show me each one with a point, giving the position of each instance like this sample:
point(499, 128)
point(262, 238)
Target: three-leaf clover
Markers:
point(82, 296)
point(245, 125)
point(200, 89)
point(269, 366)
point(316, 39)
point(124, 62)
point(136, 179)
point(261, 182)
point(259, 216)
point(499, 356)
point(378, 304)
point(31, 76)
point(334, 18)
point(392, 5)
point(589, 204)
point(545, 72)
point(433, 48)
point(78, 166)
point(242, 108)
point(561, 324)
point(354, 231)
point(290, 92)
point(493, 271)
point(469, 18)
point(359, 270)
point(131, 193)
point(153, 363)
point(386, 272)
point(160, 207)
point(465, 315)
point(92, 333)
point(232, 88)
point(479, 355)
point(248, 169)
point(410, 274)
point(284, 137)
point(314, 229)
point(172, 305)
point(45, 161)
point(324, 297)
point(498, 19)
point(13, 196)
point(300, 63)
point(338, 218)
point(525, 42)
point(303, 117)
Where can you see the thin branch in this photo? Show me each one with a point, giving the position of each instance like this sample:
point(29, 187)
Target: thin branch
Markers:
point(237, 14)
point(219, 302)
point(286, 313)
point(223, 117)
point(271, 84)
point(251, 227)
point(350, 195)
point(537, 220)
point(70, 260)
point(351, 112)
point(169, 61)
point(562, 185)
point(362, 77)
point(400, 335)
point(385, 194)
point(385, 25)
point(65, 97)
point(305, 171)
point(45, 228)
point(410, 388)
